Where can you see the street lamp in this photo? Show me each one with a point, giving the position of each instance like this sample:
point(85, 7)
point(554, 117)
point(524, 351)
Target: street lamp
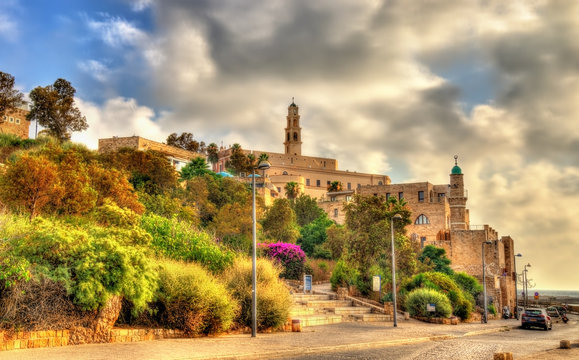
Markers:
point(516, 290)
point(484, 280)
point(526, 285)
point(395, 217)
point(263, 165)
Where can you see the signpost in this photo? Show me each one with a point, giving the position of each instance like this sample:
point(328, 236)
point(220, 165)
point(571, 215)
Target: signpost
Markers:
point(377, 284)
point(431, 307)
point(307, 283)
point(536, 295)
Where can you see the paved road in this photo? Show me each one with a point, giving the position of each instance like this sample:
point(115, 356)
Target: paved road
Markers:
point(524, 344)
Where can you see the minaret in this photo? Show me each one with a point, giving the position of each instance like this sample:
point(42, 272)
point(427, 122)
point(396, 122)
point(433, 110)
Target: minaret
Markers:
point(457, 199)
point(293, 131)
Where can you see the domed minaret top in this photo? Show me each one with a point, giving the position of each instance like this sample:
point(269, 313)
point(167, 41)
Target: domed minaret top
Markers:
point(456, 169)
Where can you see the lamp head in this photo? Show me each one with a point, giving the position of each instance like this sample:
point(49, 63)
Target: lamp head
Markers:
point(397, 217)
point(518, 255)
point(263, 165)
point(528, 265)
point(488, 242)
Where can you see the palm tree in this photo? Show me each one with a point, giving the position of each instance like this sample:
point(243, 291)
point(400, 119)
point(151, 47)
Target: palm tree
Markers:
point(196, 167)
point(213, 153)
point(292, 190)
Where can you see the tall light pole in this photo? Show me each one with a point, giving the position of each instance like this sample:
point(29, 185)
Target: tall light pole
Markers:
point(263, 165)
point(395, 217)
point(484, 280)
point(516, 291)
point(526, 285)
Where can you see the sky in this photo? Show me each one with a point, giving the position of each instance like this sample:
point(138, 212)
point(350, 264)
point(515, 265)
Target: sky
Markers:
point(389, 87)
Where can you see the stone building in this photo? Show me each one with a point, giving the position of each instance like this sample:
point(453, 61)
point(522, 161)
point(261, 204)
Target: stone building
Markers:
point(15, 122)
point(312, 174)
point(177, 156)
point(441, 218)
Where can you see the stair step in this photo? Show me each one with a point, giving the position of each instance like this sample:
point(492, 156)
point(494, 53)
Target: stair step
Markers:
point(350, 310)
point(315, 320)
point(326, 303)
point(371, 317)
point(309, 297)
point(297, 311)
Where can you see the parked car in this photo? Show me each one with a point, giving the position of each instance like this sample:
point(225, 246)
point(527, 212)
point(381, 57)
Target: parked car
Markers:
point(553, 312)
point(536, 317)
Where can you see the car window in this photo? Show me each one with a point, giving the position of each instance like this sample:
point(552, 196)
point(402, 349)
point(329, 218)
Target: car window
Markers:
point(533, 312)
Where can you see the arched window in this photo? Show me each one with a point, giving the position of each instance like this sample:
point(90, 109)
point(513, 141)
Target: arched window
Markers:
point(379, 182)
point(284, 173)
point(295, 136)
point(421, 220)
point(295, 123)
point(288, 136)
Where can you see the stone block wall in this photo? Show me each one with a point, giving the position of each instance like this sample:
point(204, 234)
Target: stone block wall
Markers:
point(13, 340)
point(14, 122)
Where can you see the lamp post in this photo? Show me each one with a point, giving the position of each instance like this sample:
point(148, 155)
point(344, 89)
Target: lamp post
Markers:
point(395, 217)
point(263, 165)
point(516, 291)
point(526, 285)
point(484, 320)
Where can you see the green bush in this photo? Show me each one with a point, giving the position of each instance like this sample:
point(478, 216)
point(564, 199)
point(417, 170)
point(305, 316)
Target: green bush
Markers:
point(110, 214)
point(417, 300)
point(91, 262)
point(462, 303)
point(193, 300)
point(343, 275)
point(492, 309)
point(273, 298)
point(468, 283)
point(181, 241)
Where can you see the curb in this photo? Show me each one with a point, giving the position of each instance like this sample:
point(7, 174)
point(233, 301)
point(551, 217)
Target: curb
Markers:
point(348, 347)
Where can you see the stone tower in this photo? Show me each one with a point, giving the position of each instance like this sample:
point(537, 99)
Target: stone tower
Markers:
point(293, 131)
point(457, 199)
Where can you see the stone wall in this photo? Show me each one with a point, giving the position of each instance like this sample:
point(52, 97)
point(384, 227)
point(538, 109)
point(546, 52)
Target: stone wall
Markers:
point(12, 340)
point(14, 122)
point(139, 143)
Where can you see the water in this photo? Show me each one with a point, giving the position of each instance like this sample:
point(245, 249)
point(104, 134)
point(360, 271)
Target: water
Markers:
point(570, 296)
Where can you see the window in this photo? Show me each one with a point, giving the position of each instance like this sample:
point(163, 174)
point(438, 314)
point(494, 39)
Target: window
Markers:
point(359, 186)
point(333, 198)
point(288, 136)
point(328, 182)
point(348, 198)
point(295, 123)
point(380, 183)
point(318, 183)
point(11, 119)
point(375, 194)
point(279, 190)
point(421, 220)
point(400, 195)
point(307, 182)
point(349, 186)
point(284, 173)
point(295, 136)
point(421, 196)
point(335, 212)
point(18, 121)
point(387, 196)
point(422, 241)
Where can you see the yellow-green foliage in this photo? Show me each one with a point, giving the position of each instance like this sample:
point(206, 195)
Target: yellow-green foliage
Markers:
point(417, 300)
point(273, 298)
point(92, 262)
point(193, 300)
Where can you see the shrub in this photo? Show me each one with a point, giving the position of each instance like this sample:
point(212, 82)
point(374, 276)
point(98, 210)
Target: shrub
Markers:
point(468, 283)
point(417, 300)
point(193, 300)
point(321, 270)
point(343, 275)
point(181, 241)
point(110, 214)
point(462, 303)
point(492, 309)
point(273, 298)
point(289, 256)
point(91, 262)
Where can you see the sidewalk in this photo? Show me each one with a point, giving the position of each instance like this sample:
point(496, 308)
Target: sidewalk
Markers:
point(344, 336)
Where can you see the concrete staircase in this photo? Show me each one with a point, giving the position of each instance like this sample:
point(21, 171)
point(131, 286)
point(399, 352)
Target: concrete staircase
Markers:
point(315, 309)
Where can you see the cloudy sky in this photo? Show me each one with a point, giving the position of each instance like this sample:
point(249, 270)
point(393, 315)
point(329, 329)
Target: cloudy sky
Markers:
point(392, 87)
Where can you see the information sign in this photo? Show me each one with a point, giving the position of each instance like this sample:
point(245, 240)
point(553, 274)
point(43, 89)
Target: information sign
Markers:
point(431, 307)
point(307, 283)
point(376, 283)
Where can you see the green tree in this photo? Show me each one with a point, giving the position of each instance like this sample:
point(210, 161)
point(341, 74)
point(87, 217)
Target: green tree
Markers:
point(213, 153)
point(263, 157)
point(54, 108)
point(337, 236)
point(314, 234)
point(10, 98)
point(436, 256)
point(279, 223)
point(306, 209)
point(238, 162)
point(196, 167)
point(292, 190)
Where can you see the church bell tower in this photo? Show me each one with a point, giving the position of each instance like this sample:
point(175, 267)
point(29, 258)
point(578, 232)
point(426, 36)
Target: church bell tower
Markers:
point(293, 131)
